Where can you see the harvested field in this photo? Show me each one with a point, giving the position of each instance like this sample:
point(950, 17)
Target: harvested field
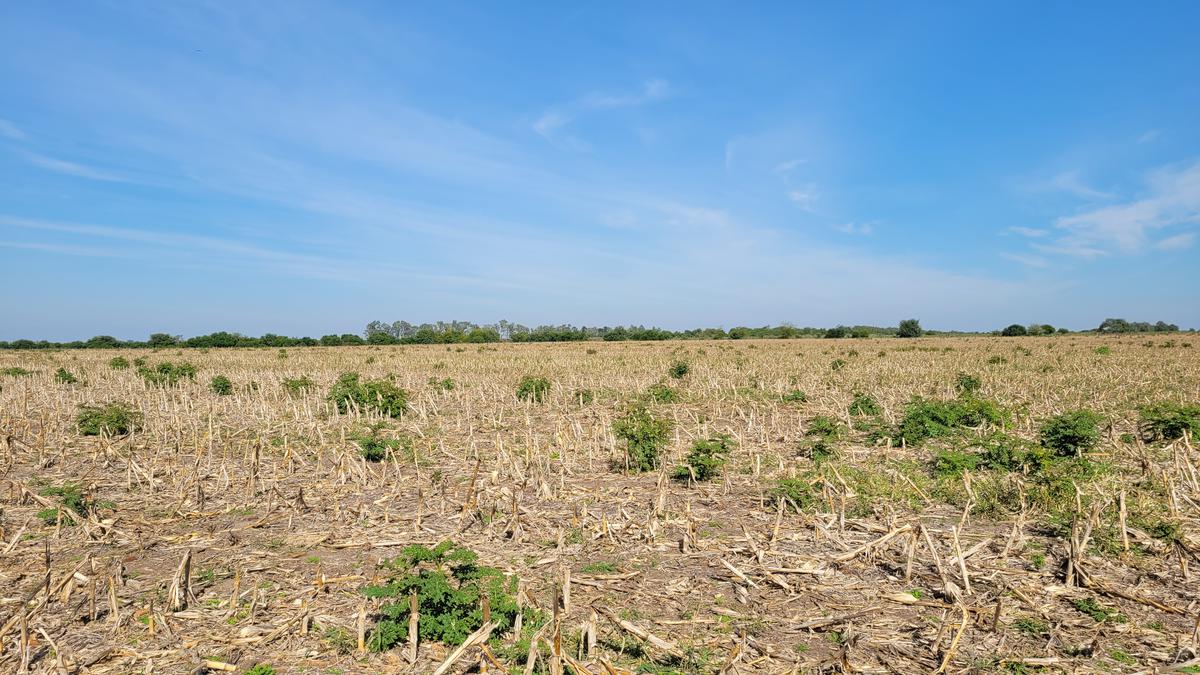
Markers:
point(240, 529)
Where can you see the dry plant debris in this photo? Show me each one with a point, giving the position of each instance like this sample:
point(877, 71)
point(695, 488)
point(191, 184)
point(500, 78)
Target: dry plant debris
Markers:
point(235, 528)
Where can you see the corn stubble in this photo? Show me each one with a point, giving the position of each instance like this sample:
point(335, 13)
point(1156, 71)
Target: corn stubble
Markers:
point(236, 527)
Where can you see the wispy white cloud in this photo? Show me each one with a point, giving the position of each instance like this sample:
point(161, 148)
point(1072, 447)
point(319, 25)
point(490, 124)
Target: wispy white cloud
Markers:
point(1149, 137)
point(1073, 184)
point(1026, 259)
point(12, 131)
point(805, 196)
point(1177, 242)
point(788, 166)
point(71, 168)
point(551, 123)
point(1031, 232)
point(862, 229)
point(1172, 199)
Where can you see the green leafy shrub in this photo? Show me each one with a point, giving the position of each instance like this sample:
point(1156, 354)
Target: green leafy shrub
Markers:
point(111, 419)
point(799, 494)
point(374, 447)
point(1104, 350)
point(532, 388)
point(167, 374)
point(64, 376)
point(74, 503)
point(705, 459)
point(1168, 421)
point(383, 396)
point(221, 386)
point(824, 425)
point(926, 419)
point(678, 370)
point(864, 405)
point(1072, 433)
point(449, 585)
point(967, 383)
point(118, 363)
point(1009, 453)
point(298, 386)
point(644, 435)
point(820, 438)
point(953, 462)
point(910, 328)
point(661, 393)
point(444, 384)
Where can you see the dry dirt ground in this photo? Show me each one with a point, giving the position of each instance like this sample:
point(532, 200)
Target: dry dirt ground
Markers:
point(239, 530)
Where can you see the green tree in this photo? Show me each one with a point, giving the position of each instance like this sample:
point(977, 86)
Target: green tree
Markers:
point(910, 328)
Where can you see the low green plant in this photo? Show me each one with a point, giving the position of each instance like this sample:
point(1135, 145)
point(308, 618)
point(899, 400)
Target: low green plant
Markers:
point(110, 419)
point(678, 369)
point(924, 419)
point(837, 365)
point(167, 374)
point(75, 502)
point(864, 405)
point(375, 447)
point(706, 458)
point(585, 396)
point(1099, 613)
point(339, 640)
point(261, 669)
point(449, 585)
point(1071, 434)
point(644, 435)
point(1103, 351)
point(1030, 626)
point(799, 494)
point(966, 383)
point(532, 388)
point(825, 426)
point(1169, 421)
point(444, 384)
point(661, 393)
point(64, 376)
point(795, 396)
point(298, 386)
point(947, 462)
point(118, 363)
point(221, 386)
point(15, 371)
point(351, 392)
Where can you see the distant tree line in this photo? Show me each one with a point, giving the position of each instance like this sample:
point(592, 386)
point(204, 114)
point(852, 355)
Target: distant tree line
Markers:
point(1107, 326)
point(465, 332)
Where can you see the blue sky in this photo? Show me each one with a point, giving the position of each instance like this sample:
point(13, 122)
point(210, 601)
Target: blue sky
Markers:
point(304, 168)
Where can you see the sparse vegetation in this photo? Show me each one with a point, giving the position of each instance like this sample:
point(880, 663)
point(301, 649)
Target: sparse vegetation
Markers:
point(110, 419)
point(290, 495)
point(705, 459)
point(167, 374)
point(1071, 433)
point(350, 392)
point(449, 584)
point(644, 437)
point(221, 386)
point(532, 388)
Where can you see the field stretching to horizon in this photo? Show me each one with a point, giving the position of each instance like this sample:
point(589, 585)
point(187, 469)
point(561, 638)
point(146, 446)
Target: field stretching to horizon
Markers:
point(975, 504)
